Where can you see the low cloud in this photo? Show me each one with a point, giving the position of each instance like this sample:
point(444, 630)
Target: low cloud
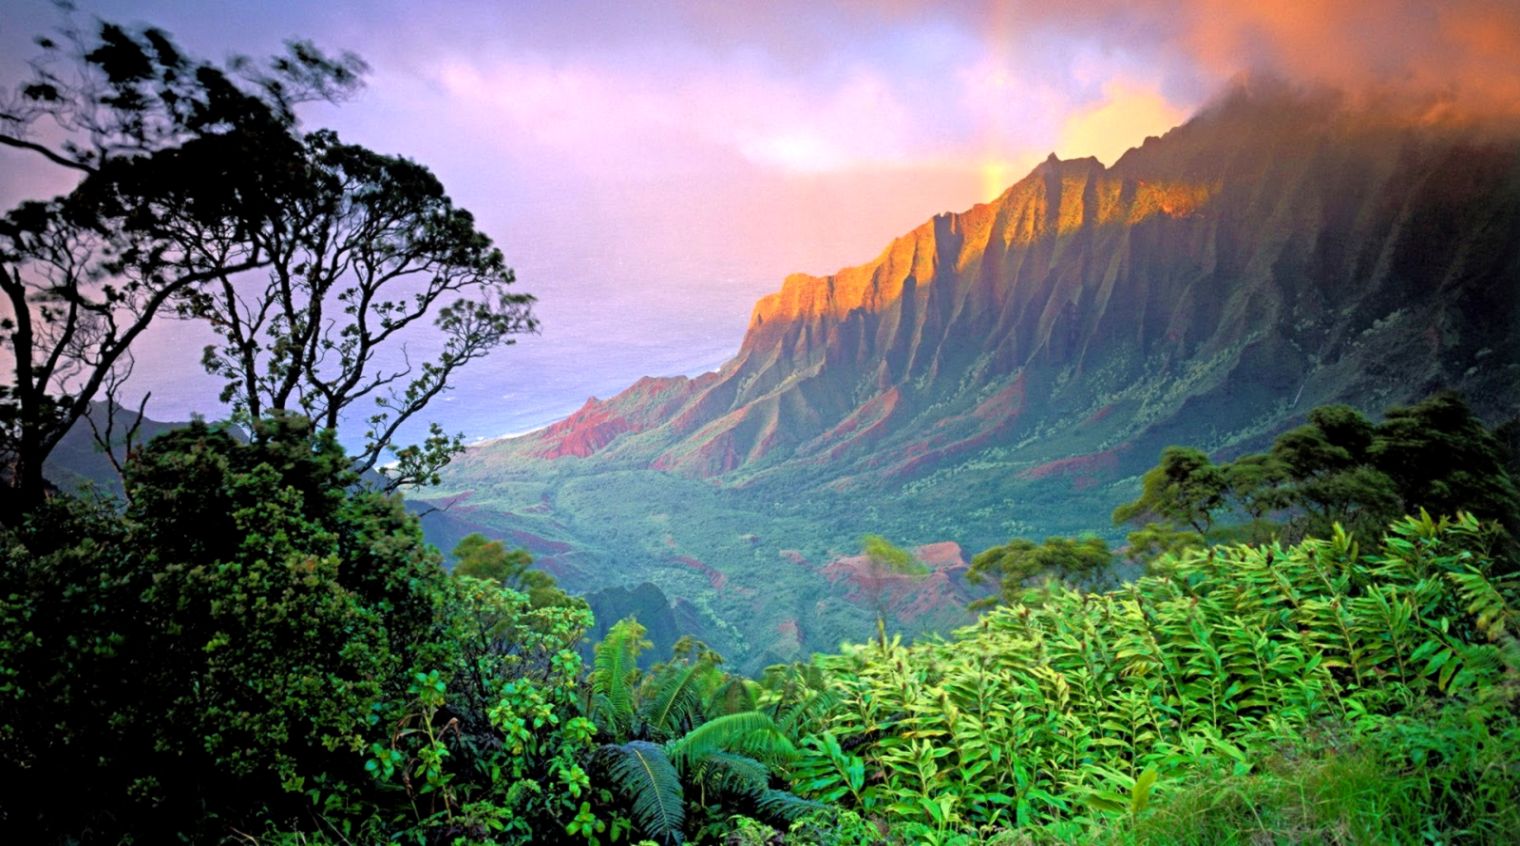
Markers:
point(1449, 60)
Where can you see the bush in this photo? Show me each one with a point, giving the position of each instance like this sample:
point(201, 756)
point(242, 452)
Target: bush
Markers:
point(222, 652)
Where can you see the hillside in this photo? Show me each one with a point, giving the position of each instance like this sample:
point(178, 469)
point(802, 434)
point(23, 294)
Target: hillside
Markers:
point(1008, 370)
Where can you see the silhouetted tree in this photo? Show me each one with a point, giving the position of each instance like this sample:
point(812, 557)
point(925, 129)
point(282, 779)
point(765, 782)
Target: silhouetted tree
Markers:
point(180, 162)
point(369, 248)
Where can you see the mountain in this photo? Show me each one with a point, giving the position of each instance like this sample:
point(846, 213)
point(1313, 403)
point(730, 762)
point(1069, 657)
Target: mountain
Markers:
point(1010, 369)
point(79, 462)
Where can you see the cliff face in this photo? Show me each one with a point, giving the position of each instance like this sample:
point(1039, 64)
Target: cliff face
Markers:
point(1008, 371)
point(1272, 254)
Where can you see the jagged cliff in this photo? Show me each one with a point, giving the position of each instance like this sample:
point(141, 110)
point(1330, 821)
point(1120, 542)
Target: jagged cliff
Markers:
point(1007, 370)
point(1274, 249)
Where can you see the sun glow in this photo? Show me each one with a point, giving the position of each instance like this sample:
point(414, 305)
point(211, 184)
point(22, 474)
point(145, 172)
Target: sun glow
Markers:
point(996, 176)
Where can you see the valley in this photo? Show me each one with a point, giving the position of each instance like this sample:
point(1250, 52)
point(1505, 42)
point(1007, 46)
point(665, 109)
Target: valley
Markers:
point(1009, 371)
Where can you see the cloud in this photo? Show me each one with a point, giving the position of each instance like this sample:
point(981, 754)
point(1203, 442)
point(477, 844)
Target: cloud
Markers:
point(603, 116)
point(1454, 59)
point(1127, 114)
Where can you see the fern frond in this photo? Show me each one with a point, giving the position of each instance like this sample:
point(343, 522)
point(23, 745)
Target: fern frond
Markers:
point(644, 775)
point(785, 807)
point(613, 666)
point(804, 711)
point(735, 694)
point(677, 698)
point(736, 775)
point(750, 733)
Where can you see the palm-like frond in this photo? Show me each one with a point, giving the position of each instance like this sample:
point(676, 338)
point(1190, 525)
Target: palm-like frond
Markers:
point(794, 717)
point(735, 694)
point(731, 774)
point(784, 807)
point(644, 775)
point(612, 668)
point(676, 699)
point(750, 733)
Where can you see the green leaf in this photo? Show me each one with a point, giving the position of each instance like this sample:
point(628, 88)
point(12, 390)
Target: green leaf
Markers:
point(1140, 794)
point(644, 775)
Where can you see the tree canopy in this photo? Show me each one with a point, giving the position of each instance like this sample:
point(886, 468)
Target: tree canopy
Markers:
point(1337, 468)
point(198, 196)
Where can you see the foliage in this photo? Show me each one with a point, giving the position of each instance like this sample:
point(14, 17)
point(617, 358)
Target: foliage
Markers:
point(256, 643)
point(180, 162)
point(496, 748)
point(686, 745)
point(230, 642)
point(1020, 564)
point(1443, 459)
point(1186, 487)
point(480, 557)
point(1071, 714)
point(1337, 468)
point(884, 561)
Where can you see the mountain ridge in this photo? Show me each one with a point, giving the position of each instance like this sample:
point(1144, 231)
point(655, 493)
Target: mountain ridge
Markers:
point(1004, 370)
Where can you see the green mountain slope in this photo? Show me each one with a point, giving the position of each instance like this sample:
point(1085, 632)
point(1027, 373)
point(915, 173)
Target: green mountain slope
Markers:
point(1008, 370)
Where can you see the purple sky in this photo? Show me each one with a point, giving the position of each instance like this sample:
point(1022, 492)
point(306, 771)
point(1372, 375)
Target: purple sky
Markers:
point(650, 169)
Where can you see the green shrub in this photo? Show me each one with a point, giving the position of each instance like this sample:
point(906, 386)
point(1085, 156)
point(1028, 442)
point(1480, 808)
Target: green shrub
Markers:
point(223, 651)
point(1065, 718)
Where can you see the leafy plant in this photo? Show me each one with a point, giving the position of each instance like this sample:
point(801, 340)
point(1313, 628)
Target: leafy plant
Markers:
point(1090, 708)
point(685, 733)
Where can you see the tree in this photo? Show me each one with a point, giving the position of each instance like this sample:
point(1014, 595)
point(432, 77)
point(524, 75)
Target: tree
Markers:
point(885, 563)
point(312, 259)
point(1256, 485)
point(179, 163)
point(1443, 459)
point(236, 637)
point(370, 249)
point(482, 558)
point(1331, 474)
point(1020, 563)
point(1336, 468)
point(1185, 487)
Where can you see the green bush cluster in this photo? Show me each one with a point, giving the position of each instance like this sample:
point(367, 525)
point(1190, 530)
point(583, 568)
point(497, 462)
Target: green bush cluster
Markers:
point(1064, 718)
point(256, 648)
point(256, 644)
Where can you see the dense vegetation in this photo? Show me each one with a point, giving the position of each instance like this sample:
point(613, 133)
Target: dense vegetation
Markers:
point(1078, 717)
point(1338, 468)
point(255, 645)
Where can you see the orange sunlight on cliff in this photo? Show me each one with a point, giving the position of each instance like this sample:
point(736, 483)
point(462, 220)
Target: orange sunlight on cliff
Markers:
point(1034, 209)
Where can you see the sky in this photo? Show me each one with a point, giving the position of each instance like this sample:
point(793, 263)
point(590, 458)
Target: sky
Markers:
point(651, 168)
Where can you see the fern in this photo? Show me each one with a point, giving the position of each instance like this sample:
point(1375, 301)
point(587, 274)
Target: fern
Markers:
point(748, 732)
point(786, 807)
point(677, 698)
point(612, 668)
point(736, 775)
point(644, 775)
